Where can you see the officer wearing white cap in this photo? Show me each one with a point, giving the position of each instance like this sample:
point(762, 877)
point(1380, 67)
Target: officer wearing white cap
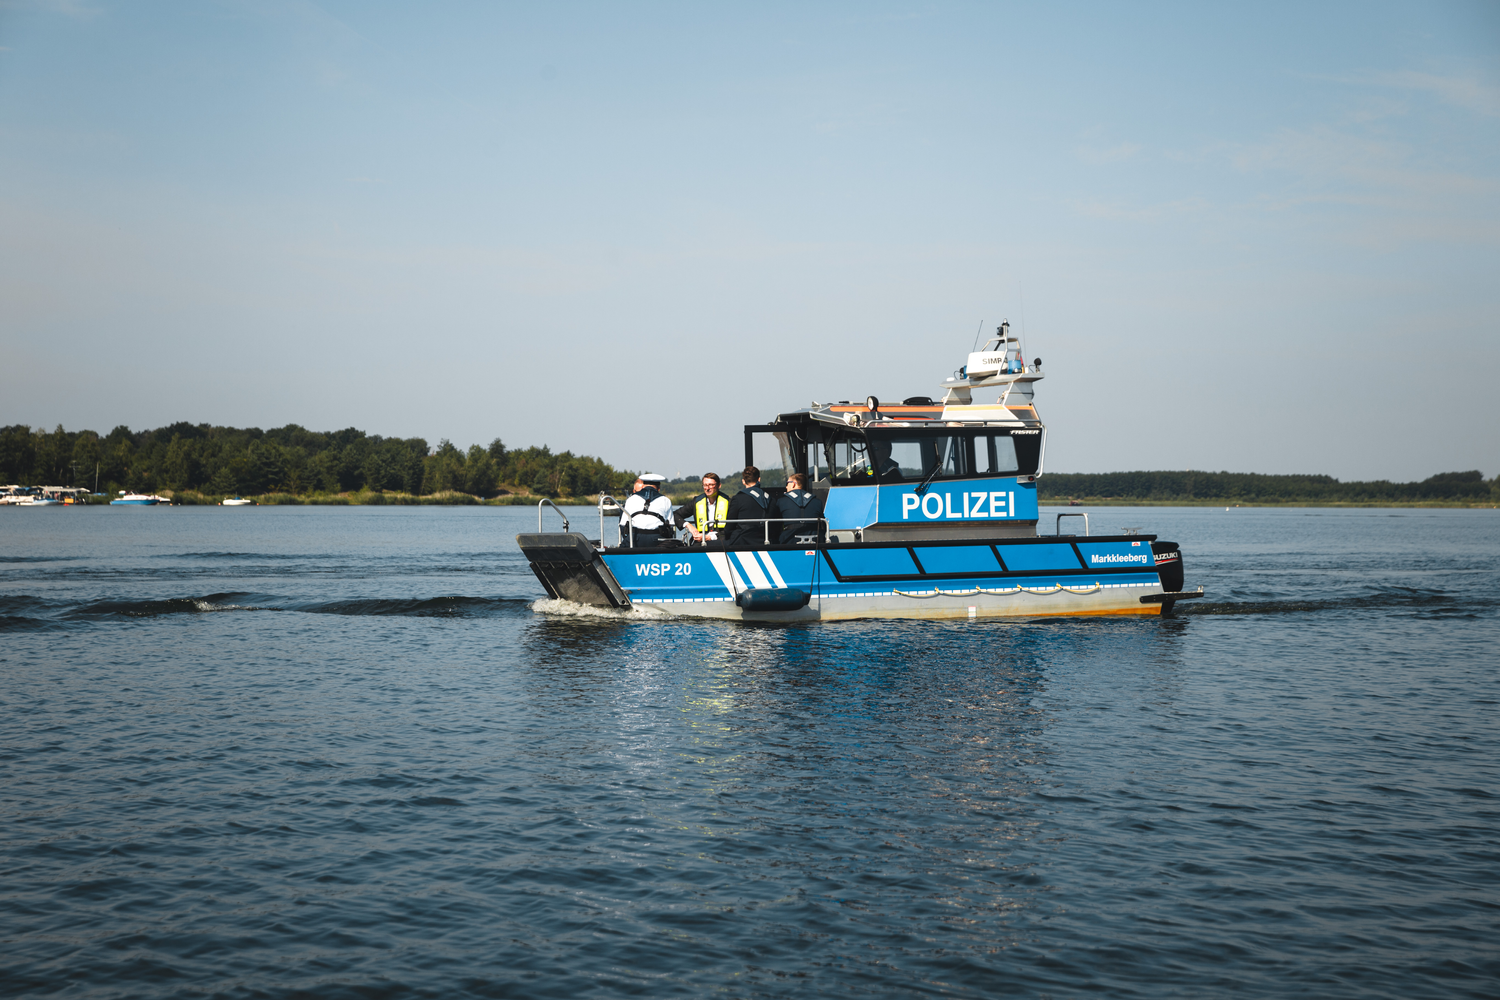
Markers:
point(646, 520)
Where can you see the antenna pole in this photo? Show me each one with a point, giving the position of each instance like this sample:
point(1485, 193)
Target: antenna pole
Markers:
point(1022, 296)
point(976, 337)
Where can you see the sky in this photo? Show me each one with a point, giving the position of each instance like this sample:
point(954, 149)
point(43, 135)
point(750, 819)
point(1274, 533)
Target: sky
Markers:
point(1252, 237)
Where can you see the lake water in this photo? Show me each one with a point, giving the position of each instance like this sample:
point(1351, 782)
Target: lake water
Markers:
point(336, 752)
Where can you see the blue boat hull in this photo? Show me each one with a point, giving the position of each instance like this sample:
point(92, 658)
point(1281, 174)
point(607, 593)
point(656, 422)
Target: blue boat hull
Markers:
point(894, 581)
point(1021, 577)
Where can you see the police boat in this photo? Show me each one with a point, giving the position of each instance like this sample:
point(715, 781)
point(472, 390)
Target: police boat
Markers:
point(929, 511)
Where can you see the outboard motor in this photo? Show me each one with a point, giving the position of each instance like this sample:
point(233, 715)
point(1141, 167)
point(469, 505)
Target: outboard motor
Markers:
point(1168, 565)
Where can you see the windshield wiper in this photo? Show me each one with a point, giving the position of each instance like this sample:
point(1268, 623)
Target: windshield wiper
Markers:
point(922, 486)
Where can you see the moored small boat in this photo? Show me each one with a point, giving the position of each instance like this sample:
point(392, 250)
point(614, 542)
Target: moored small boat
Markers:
point(236, 502)
point(36, 496)
point(137, 500)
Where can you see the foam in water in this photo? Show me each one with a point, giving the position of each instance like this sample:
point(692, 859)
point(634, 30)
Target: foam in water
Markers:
point(208, 605)
point(554, 606)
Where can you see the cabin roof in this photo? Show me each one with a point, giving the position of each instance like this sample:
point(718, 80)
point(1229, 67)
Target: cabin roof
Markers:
point(901, 415)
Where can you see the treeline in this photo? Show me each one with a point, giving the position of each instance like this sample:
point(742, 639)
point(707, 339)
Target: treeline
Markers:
point(290, 459)
point(294, 460)
point(1251, 487)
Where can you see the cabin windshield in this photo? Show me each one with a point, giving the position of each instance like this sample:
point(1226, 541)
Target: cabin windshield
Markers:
point(911, 455)
point(849, 459)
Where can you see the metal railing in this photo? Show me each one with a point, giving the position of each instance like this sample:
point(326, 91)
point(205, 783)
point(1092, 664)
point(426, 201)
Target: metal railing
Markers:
point(765, 522)
point(609, 507)
point(544, 502)
point(1058, 529)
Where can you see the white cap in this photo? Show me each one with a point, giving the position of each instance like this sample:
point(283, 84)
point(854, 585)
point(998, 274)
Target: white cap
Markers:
point(652, 477)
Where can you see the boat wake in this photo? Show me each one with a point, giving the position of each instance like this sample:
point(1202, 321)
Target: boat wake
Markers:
point(1392, 600)
point(26, 612)
point(455, 606)
point(166, 606)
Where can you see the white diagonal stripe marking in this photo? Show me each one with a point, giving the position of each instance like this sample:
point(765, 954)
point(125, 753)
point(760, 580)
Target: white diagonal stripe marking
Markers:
point(765, 557)
point(720, 563)
point(753, 570)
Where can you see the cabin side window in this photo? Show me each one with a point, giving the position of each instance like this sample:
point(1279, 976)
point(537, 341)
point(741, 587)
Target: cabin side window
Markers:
point(817, 468)
point(911, 456)
point(995, 455)
point(802, 451)
point(1028, 451)
point(778, 450)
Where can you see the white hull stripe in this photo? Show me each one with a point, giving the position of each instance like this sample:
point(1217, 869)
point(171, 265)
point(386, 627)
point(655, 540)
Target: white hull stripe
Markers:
point(752, 569)
point(775, 574)
point(720, 563)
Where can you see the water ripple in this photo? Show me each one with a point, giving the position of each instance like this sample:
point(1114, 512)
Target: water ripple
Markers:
point(364, 775)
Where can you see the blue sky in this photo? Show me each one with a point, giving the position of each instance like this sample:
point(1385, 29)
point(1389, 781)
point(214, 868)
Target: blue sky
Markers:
point(1258, 238)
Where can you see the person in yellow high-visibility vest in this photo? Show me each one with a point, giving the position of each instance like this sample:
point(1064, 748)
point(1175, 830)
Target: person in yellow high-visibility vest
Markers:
point(707, 511)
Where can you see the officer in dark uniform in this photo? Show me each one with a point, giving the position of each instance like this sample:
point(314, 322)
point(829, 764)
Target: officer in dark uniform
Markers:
point(799, 502)
point(750, 504)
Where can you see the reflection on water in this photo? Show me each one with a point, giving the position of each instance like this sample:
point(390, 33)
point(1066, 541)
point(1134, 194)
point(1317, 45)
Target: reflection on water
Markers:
point(866, 775)
point(394, 769)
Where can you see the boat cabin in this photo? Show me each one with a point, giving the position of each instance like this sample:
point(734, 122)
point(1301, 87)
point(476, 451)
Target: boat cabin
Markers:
point(920, 468)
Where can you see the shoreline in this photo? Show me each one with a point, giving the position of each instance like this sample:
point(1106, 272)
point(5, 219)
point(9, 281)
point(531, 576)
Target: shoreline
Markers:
point(363, 498)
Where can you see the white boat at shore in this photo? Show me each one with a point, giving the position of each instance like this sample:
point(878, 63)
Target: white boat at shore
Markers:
point(236, 502)
point(138, 500)
point(37, 496)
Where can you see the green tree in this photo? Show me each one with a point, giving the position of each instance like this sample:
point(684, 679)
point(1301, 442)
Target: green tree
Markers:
point(17, 455)
point(351, 463)
point(377, 472)
point(180, 470)
point(444, 469)
point(480, 474)
point(224, 481)
point(53, 453)
point(87, 458)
